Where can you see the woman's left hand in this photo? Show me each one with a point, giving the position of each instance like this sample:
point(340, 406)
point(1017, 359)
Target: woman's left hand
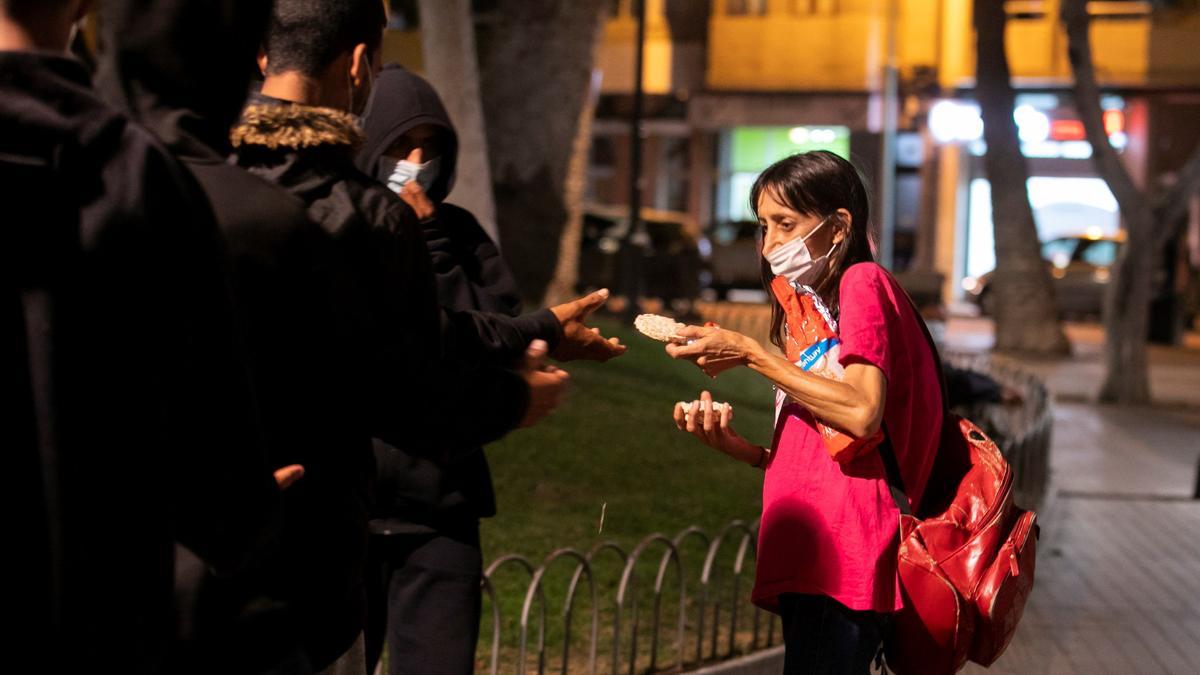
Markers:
point(713, 349)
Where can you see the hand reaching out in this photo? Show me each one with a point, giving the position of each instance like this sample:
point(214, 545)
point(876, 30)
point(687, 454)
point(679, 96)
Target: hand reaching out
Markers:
point(712, 348)
point(581, 341)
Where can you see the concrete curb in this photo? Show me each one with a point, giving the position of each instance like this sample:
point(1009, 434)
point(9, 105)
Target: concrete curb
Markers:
point(765, 662)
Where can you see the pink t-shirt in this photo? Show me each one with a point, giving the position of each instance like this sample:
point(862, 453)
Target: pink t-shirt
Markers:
point(831, 529)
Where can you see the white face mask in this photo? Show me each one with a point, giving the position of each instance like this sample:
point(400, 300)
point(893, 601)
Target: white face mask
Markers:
point(794, 262)
point(403, 171)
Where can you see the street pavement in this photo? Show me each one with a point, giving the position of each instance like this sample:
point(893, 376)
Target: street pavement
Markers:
point(1118, 578)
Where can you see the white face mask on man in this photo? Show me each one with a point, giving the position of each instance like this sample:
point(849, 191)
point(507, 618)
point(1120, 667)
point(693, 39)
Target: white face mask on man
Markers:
point(794, 262)
point(402, 171)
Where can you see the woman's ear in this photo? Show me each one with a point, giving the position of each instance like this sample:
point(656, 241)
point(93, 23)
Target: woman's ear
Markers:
point(844, 221)
point(262, 61)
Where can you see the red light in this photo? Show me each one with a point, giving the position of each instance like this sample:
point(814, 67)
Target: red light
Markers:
point(1067, 130)
point(1114, 122)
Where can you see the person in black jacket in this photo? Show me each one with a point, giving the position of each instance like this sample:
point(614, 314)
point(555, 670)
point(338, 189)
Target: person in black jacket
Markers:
point(298, 605)
point(424, 553)
point(416, 370)
point(132, 423)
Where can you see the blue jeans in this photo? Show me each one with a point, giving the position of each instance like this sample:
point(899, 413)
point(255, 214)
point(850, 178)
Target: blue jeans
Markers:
point(823, 637)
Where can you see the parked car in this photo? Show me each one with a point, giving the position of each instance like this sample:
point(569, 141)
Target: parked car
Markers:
point(671, 270)
point(733, 257)
point(1080, 267)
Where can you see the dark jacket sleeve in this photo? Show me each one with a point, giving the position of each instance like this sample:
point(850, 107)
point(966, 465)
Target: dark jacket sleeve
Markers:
point(226, 501)
point(481, 322)
point(433, 391)
point(471, 273)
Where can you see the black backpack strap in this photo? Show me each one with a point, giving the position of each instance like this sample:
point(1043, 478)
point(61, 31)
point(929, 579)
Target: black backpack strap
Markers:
point(892, 469)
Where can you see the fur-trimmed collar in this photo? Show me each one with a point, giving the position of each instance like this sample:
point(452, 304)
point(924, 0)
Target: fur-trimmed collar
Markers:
point(296, 127)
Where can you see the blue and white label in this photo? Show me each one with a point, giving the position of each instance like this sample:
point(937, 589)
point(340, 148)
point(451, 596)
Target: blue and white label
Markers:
point(814, 353)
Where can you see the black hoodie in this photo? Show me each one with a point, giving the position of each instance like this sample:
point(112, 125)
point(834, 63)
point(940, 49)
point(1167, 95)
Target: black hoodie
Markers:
point(417, 494)
point(160, 65)
point(124, 374)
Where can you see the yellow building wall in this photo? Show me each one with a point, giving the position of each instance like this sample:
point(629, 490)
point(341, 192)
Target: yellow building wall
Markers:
point(403, 47)
point(615, 57)
point(839, 45)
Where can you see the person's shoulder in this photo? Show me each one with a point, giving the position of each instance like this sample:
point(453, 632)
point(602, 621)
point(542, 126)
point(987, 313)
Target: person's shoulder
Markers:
point(248, 206)
point(865, 274)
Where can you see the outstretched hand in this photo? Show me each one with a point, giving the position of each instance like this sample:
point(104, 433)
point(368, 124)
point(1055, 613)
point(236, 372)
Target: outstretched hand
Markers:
point(713, 349)
point(581, 341)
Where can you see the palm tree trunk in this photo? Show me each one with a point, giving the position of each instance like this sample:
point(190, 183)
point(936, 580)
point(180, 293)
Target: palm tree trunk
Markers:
point(1026, 313)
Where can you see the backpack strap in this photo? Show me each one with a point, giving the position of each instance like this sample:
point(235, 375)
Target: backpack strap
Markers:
point(892, 469)
point(887, 451)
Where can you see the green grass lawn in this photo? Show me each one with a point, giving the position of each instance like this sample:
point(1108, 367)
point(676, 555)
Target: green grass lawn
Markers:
point(613, 442)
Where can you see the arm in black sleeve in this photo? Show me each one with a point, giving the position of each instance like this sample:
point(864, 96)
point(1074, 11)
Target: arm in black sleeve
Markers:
point(471, 273)
point(413, 386)
point(226, 501)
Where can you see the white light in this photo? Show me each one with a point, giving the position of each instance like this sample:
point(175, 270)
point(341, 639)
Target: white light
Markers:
point(955, 122)
point(799, 135)
point(948, 122)
point(1076, 149)
point(1119, 140)
point(1045, 149)
point(1032, 126)
point(823, 135)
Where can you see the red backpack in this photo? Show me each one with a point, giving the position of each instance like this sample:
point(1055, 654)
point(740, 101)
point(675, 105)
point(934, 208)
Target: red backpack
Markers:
point(966, 560)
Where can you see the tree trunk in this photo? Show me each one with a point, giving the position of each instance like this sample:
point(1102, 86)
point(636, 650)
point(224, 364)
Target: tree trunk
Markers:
point(1026, 314)
point(566, 272)
point(1148, 227)
point(536, 59)
point(448, 49)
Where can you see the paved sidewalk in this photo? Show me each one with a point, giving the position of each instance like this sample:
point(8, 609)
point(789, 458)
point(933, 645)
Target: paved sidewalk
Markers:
point(1118, 580)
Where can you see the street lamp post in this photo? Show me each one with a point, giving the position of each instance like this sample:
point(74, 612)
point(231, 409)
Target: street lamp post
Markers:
point(632, 249)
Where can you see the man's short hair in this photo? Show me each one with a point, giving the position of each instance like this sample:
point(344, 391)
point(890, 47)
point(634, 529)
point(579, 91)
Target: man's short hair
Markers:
point(307, 35)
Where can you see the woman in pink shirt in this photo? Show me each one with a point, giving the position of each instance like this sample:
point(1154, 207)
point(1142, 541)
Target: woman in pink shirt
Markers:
point(830, 527)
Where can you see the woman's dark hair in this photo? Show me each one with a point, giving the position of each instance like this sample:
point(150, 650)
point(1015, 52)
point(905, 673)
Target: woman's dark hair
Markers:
point(818, 183)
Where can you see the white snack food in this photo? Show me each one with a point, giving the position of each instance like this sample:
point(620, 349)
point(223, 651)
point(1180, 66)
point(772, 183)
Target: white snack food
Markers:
point(717, 406)
point(661, 328)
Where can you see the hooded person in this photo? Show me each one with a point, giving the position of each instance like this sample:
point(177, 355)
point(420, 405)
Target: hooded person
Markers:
point(299, 604)
point(301, 608)
point(425, 557)
point(123, 368)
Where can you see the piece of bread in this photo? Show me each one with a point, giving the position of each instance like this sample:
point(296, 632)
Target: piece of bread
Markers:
point(717, 406)
point(661, 328)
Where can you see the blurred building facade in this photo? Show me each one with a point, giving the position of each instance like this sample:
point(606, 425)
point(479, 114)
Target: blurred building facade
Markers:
point(733, 85)
point(736, 84)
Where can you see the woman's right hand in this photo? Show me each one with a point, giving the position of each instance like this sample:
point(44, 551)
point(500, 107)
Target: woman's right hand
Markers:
point(715, 429)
